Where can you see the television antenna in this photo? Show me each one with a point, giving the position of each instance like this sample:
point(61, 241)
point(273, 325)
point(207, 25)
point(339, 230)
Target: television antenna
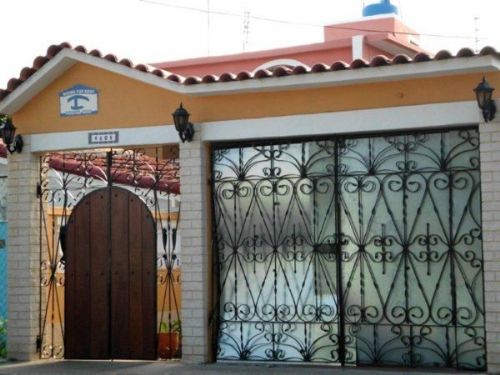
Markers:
point(246, 28)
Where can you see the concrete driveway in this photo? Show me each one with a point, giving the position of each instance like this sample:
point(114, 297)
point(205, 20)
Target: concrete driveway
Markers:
point(176, 368)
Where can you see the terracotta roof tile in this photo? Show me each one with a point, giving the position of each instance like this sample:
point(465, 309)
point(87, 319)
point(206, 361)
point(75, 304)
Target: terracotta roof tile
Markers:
point(339, 65)
point(377, 61)
point(192, 81)
point(142, 68)
point(421, 57)
point(209, 78)
point(319, 68)
point(261, 73)
point(81, 49)
point(465, 52)
point(139, 173)
point(488, 51)
point(359, 63)
point(443, 55)
point(299, 69)
point(227, 77)
point(13, 84)
point(242, 76)
point(380, 60)
point(40, 61)
point(159, 73)
point(281, 71)
point(126, 62)
point(111, 57)
point(401, 59)
point(174, 78)
point(26, 73)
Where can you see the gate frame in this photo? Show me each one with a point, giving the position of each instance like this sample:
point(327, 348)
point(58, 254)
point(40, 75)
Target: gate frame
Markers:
point(43, 256)
point(231, 144)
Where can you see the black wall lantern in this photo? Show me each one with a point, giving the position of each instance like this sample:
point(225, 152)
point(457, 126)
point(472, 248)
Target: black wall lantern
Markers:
point(182, 124)
point(484, 99)
point(12, 141)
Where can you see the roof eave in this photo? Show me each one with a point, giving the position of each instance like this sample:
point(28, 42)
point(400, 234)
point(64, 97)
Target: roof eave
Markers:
point(67, 58)
point(63, 61)
point(453, 66)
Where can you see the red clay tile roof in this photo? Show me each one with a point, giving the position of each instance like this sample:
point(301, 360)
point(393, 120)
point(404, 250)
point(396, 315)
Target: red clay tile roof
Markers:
point(377, 61)
point(141, 173)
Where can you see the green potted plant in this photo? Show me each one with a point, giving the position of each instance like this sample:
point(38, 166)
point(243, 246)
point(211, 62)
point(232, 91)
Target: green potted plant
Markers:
point(3, 339)
point(169, 339)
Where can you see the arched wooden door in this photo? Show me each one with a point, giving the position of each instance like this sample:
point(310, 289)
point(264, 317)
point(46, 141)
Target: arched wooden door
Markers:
point(110, 284)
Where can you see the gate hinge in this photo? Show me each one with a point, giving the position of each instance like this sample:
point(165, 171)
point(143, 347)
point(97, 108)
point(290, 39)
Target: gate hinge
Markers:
point(38, 343)
point(38, 190)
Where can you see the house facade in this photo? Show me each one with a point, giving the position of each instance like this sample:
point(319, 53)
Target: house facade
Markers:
point(339, 214)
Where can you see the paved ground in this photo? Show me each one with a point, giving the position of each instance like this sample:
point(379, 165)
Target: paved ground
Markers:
point(170, 368)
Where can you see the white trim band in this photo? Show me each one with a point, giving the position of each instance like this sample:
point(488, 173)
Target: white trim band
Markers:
point(150, 135)
point(361, 121)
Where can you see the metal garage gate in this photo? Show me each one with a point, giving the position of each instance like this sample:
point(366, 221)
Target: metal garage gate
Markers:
point(351, 250)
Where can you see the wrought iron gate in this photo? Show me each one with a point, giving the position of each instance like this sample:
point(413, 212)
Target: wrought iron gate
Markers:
point(351, 250)
point(65, 178)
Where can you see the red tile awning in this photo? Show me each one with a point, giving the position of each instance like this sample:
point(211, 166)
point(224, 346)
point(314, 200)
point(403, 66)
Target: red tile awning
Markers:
point(143, 171)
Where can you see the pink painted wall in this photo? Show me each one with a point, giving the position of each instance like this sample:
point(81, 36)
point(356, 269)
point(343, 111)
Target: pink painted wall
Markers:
point(336, 47)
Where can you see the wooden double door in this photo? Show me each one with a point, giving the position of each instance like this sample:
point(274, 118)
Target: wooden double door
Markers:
point(110, 283)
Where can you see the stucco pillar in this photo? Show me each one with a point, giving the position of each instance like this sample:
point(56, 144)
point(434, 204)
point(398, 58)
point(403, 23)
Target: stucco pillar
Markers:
point(23, 254)
point(490, 187)
point(194, 222)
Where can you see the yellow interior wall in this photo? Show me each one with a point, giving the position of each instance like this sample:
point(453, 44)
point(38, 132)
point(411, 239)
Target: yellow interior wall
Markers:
point(126, 103)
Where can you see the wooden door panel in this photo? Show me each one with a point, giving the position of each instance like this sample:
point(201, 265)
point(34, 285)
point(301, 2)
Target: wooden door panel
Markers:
point(142, 281)
point(111, 278)
point(148, 251)
point(135, 282)
point(99, 280)
point(120, 300)
point(77, 298)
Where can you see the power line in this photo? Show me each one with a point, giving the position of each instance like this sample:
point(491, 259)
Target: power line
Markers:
point(286, 22)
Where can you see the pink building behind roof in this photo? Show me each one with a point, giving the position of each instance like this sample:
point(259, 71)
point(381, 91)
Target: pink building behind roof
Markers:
point(366, 38)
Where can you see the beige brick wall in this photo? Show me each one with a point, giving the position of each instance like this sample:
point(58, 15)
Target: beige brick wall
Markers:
point(490, 187)
point(195, 253)
point(23, 254)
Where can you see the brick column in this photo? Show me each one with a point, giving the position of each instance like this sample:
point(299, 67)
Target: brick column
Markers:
point(194, 251)
point(23, 254)
point(490, 188)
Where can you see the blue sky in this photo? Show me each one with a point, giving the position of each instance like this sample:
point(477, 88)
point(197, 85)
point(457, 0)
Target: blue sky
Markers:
point(159, 30)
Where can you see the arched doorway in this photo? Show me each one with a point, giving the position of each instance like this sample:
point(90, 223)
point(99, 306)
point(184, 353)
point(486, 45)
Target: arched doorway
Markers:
point(110, 284)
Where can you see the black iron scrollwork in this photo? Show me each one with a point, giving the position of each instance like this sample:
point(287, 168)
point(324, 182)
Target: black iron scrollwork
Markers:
point(356, 250)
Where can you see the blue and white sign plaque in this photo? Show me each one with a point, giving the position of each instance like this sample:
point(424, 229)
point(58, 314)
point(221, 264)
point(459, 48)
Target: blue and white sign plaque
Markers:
point(78, 100)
